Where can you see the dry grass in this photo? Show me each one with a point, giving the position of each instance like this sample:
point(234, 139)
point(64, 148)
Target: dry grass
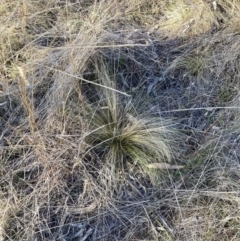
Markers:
point(184, 18)
point(119, 120)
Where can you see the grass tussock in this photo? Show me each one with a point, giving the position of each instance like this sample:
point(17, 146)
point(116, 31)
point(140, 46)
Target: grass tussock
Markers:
point(120, 130)
point(119, 120)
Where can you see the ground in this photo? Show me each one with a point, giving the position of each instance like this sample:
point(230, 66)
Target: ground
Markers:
point(119, 120)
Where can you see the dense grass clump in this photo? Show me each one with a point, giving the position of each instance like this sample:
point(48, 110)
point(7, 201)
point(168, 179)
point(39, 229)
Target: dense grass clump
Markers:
point(122, 130)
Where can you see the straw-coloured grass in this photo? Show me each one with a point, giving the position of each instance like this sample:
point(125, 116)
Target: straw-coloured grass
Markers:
point(119, 120)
